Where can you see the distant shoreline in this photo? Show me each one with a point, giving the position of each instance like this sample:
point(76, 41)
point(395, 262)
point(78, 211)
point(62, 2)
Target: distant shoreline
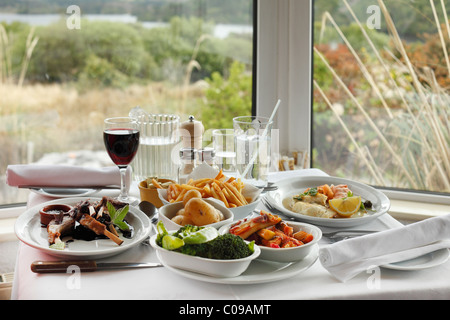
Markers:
point(220, 30)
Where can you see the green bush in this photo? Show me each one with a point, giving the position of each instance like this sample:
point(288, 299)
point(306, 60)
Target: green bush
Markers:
point(227, 98)
point(62, 54)
point(98, 72)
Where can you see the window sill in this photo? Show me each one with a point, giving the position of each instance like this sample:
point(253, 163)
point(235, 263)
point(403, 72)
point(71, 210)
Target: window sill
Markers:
point(7, 230)
point(415, 211)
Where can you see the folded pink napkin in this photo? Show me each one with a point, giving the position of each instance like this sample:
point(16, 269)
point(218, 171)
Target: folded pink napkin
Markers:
point(348, 258)
point(42, 175)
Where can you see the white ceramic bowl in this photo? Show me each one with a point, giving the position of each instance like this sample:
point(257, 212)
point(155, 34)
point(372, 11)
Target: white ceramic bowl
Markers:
point(168, 211)
point(238, 212)
point(287, 254)
point(209, 267)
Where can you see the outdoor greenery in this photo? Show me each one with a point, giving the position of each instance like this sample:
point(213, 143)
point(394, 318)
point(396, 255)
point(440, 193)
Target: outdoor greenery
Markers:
point(58, 84)
point(381, 96)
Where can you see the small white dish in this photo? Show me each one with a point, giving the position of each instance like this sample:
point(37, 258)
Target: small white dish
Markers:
point(204, 266)
point(28, 229)
point(429, 260)
point(168, 211)
point(292, 186)
point(287, 254)
point(238, 212)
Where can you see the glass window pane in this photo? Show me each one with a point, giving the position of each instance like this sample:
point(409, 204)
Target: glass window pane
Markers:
point(64, 68)
point(381, 92)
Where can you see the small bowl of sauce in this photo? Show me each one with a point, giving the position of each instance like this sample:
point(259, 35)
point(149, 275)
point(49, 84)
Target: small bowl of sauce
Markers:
point(50, 212)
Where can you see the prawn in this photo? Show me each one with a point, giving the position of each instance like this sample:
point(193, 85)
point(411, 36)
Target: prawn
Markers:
point(326, 190)
point(340, 191)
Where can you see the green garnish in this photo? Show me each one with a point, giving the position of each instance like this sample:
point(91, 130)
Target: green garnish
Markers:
point(310, 192)
point(117, 216)
point(58, 245)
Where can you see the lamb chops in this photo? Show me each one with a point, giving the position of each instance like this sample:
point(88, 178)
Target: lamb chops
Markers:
point(85, 214)
point(60, 226)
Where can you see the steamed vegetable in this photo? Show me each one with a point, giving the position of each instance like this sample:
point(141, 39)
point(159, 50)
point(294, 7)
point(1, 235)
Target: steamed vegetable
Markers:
point(203, 242)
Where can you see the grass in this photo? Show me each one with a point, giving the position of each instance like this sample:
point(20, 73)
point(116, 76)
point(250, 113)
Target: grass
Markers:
point(39, 119)
point(413, 147)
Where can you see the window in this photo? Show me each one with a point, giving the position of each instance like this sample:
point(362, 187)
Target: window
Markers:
point(64, 68)
point(381, 92)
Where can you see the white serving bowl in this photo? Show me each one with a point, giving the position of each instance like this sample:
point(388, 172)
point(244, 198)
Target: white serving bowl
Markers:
point(238, 212)
point(210, 267)
point(287, 254)
point(168, 211)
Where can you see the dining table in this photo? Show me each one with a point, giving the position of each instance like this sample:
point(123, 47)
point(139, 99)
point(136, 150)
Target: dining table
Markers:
point(309, 282)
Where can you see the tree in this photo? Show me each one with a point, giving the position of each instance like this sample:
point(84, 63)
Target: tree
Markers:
point(227, 98)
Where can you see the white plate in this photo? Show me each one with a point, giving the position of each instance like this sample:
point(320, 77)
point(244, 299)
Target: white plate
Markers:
point(259, 271)
point(28, 229)
point(292, 186)
point(425, 261)
point(64, 192)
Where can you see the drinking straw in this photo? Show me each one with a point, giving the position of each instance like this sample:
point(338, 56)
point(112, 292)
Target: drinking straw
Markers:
point(264, 134)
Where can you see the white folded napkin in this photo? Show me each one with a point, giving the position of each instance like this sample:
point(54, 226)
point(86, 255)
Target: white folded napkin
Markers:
point(43, 175)
point(347, 258)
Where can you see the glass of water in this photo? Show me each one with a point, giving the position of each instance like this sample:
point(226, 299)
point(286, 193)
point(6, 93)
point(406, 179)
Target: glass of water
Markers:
point(223, 144)
point(157, 155)
point(252, 138)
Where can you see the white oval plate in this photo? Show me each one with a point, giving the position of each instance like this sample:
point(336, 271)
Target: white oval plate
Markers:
point(292, 186)
point(259, 271)
point(425, 261)
point(28, 229)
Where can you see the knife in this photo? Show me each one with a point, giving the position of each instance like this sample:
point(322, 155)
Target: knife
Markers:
point(86, 265)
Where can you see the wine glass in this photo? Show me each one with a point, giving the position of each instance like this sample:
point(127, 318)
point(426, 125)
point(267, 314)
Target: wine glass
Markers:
point(121, 138)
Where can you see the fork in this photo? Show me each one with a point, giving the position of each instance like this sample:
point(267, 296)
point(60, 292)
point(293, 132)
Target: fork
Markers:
point(336, 236)
point(272, 209)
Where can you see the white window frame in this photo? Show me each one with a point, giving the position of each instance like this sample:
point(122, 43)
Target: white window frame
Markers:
point(284, 71)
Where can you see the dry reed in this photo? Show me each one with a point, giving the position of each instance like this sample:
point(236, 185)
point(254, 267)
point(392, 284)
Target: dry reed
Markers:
point(420, 153)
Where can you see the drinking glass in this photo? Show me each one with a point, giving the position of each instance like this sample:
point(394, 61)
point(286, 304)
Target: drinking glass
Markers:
point(121, 138)
point(158, 154)
point(252, 138)
point(223, 144)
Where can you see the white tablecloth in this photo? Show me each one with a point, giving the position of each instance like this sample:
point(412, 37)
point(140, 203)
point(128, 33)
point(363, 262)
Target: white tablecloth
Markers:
point(161, 283)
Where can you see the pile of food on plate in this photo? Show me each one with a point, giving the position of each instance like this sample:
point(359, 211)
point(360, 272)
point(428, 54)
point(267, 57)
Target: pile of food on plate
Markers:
point(90, 220)
point(270, 230)
point(196, 211)
point(227, 190)
point(203, 242)
point(328, 201)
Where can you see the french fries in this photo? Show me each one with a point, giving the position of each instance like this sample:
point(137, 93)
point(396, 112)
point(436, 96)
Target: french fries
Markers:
point(227, 190)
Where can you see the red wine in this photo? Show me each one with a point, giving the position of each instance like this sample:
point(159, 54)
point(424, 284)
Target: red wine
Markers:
point(121, 144)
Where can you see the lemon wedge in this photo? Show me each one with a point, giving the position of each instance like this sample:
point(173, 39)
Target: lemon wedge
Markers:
point(347, 206)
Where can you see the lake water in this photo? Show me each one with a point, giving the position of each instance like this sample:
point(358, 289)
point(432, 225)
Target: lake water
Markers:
point(220, 31)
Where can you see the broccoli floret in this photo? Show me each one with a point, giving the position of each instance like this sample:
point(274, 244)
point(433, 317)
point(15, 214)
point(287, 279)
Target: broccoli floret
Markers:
point(185, 230)
point(223, 247)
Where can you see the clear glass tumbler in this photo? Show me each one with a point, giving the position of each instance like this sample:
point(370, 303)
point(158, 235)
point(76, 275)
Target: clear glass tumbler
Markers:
point(252, 138)
point(223, 144)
